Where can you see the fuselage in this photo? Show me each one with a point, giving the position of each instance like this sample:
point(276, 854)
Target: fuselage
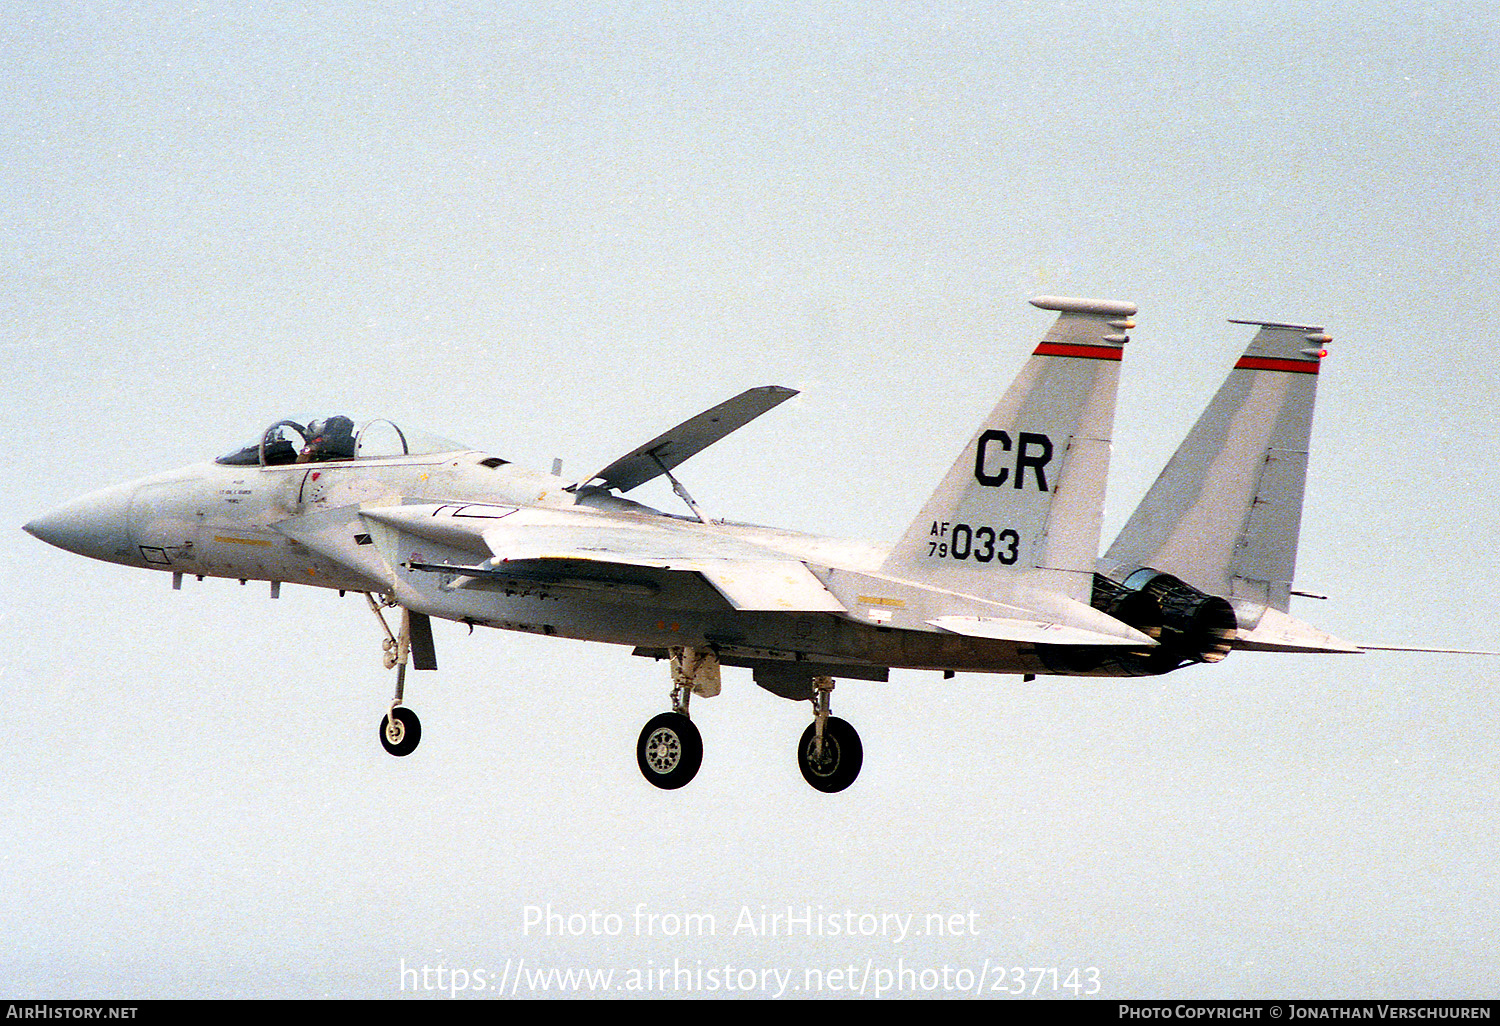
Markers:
point(263, 522)
point(215, 520)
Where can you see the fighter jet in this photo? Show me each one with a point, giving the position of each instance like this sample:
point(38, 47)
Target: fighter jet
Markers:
point(999, 572)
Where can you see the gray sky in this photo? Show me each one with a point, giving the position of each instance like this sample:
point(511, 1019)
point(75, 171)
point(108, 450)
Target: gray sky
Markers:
point(553, 231)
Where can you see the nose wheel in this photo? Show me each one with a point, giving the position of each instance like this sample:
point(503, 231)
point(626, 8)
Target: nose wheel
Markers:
point(400, 731)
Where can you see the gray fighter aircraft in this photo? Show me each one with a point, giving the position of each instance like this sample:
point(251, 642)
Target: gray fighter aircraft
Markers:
point(999, 572)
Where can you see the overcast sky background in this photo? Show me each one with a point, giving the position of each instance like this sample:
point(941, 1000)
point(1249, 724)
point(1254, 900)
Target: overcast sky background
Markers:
point(555, 230)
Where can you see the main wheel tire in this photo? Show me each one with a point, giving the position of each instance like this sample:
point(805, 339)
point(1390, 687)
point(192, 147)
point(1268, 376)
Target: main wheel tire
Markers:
point(402, 736)
point(669, 751)
point(843, 755)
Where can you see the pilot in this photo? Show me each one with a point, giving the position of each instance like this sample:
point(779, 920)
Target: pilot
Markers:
point(331, 439)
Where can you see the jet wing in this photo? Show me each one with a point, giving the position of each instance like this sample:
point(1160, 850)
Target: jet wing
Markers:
point(784, 584)
point(560, 545)
point(522, 544)
point(692, 436)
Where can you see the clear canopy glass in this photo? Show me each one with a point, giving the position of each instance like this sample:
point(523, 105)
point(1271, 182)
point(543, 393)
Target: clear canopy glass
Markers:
point(337, 437)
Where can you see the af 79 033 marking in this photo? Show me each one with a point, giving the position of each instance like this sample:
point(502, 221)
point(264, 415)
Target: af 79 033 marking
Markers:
point(961, 541)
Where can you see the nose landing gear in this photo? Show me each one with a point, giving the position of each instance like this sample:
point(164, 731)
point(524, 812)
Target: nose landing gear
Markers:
point(400, 730)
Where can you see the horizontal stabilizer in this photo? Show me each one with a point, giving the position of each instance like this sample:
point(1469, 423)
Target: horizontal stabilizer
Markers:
point(1437, 651)
point(692, 436)
point(1032, 632)
point(1275, 631)
point(885, 601)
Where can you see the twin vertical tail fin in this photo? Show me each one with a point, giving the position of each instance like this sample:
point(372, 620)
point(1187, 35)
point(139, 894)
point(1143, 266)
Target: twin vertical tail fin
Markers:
point(1017, 518)
point(1225, 513)
point(1206, 562)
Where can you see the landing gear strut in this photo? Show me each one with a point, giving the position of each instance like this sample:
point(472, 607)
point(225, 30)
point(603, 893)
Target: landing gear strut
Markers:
point(830, 753)
point(400, 730)
point(670, 749)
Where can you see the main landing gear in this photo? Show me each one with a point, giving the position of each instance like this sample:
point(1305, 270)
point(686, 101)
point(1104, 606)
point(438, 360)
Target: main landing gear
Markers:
point(830, 753)
point(670, 749)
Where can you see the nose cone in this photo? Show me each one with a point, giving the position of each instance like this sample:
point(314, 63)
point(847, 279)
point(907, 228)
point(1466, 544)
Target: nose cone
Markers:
point(96, 525)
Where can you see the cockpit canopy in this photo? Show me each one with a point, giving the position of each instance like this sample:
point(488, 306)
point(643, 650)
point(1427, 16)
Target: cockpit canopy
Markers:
point(335, 438)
